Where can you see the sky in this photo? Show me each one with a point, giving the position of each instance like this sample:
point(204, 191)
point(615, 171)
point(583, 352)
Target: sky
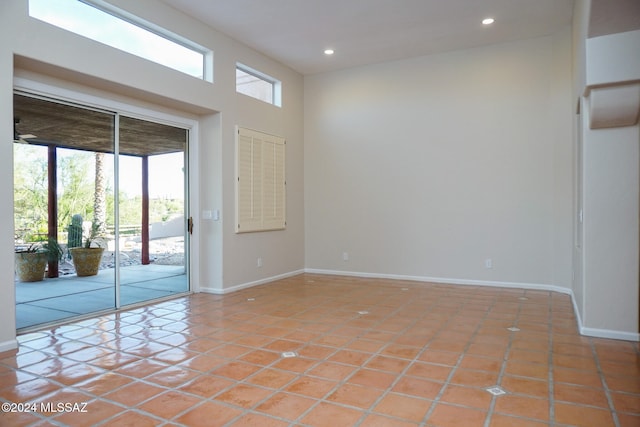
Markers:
point(88, 21)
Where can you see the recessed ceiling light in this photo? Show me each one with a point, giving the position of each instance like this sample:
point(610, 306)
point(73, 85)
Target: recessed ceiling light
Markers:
point(488, 21)
point(328, 51)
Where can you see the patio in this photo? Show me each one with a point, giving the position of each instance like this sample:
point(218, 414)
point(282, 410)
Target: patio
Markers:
point(71, 296)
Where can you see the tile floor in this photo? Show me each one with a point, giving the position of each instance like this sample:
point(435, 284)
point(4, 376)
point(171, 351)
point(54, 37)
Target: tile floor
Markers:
point(368, 353)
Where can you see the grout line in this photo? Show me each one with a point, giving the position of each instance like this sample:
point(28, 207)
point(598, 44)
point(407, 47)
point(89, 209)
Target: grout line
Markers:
point(607, 392)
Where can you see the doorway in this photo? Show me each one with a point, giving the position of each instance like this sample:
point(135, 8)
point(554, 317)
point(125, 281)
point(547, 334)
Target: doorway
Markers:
point(86, 177)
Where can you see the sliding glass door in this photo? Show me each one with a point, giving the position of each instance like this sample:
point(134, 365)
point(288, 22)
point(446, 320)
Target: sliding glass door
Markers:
point(106, 189)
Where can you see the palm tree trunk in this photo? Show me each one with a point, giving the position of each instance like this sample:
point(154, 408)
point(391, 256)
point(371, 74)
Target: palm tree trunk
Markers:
point(100, 199)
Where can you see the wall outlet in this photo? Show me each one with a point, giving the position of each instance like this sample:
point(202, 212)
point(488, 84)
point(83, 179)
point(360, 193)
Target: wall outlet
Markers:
point(345, 256)
point(259, 262)
point(488, 263)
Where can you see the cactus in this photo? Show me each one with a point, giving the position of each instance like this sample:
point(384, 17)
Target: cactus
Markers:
point(75, 232)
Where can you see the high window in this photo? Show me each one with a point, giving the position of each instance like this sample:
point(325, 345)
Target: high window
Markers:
point(257, 85)
point(100, 21)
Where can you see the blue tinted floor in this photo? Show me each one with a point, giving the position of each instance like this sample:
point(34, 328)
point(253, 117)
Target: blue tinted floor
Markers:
point(70, 296)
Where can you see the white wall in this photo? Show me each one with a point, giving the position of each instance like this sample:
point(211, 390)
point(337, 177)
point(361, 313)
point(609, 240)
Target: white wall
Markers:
point(611, 213)
point(46, 53)
point(426, 167)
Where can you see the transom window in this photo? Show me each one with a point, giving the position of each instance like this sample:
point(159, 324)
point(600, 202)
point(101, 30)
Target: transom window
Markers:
point(257, 85)
point(100, 21)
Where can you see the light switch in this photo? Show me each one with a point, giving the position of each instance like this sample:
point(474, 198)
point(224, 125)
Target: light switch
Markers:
point(216, 215)
point(206, 214)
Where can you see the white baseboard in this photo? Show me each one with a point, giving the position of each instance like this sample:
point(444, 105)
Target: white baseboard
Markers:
point(8, 345)
point(235, 288)
point(609, 334)
point(517, 285)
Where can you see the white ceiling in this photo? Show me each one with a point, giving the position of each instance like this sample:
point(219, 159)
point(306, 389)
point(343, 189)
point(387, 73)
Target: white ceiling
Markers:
point(296, 32)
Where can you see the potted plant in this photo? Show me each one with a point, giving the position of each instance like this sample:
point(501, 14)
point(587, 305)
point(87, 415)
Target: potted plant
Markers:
point(31, 261)
point(87, 258)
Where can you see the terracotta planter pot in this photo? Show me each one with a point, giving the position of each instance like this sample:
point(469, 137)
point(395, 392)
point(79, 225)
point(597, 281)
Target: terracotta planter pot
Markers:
point(86, 260)
point(30, 266)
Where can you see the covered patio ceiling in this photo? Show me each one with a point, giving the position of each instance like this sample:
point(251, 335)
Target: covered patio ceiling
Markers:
point(39, 121)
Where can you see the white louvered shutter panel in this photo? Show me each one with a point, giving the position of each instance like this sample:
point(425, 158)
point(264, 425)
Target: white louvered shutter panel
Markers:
point(260, 186)
point(274, 184)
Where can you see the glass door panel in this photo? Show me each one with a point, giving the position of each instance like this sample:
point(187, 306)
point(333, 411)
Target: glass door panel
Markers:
point(58, 150)
point(152, 214)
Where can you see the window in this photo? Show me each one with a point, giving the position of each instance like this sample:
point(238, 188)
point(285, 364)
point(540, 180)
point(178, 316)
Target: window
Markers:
point(257, 85)
point(260, 183)
point(99, 21)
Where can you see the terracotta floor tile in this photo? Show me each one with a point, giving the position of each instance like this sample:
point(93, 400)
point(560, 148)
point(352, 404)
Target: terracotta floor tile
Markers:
point(404, 407)
point(141, 368)
point(173, 376)
point(203, 363)
point(254, 420)
point(429, 370)
point(169, 404)
point(286, 405)
point(295, 364)
point(103, 384)
point(467, 396)
point(368, 346)
point(541, 357)
point(471, 378)
point(625, 384)
point(628, 420)
point(355, 395)
point(499, 420)
point(131, 419)
point(236, 370)
point(418, 387)
point(75, 374)
point(260, 357)
point(580, 395)
point(243, 395)
point(20, 419)
point(206, 385)
point(313, 351)
point(329, 415)
point(440, 357)
point(208, 414)
point(229, 351)
point(527, 386)
point(133, 393)
point(96, 411)
point(311, 387)
point(446, 345)
point(618, 368)
point(481, 363)
point(370, 378)
point(523, 406)
point(114, 361)
point(626, 402)
point(271, 378)
point(445, 415)
point(375, 420)
point(573, 362)
point(526, 369)
point(572, 376)
point(333, 371)
point(401, 351)
point(582, 416)
point(388, 364)
point(201, 345)
point(350, 357)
